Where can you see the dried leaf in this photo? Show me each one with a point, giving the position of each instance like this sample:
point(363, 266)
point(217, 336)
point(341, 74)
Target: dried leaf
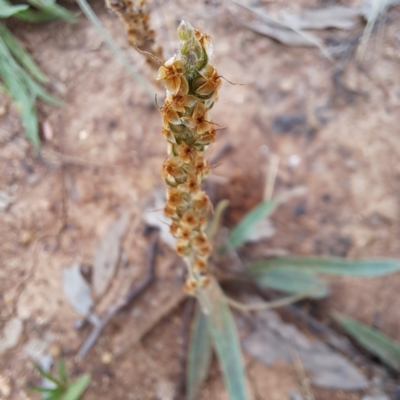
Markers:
point(154, 216)
point(77, 290)
point(11, 333)
point(283, 35)
point(108, 253)
point(199, 357)
point(374, 341)
point(331, 17)
point(273, 340)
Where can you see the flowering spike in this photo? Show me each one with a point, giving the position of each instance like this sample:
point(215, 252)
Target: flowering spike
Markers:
point(192, 86)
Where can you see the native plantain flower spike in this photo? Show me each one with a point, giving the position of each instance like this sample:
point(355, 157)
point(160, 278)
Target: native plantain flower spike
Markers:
point(192, 86)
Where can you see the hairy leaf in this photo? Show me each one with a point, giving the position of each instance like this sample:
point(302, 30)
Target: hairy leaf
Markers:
point(199, 357)
point(374, 341)
point(243, 230)
point(334, 266)
point(287, 279)
point(225, 340)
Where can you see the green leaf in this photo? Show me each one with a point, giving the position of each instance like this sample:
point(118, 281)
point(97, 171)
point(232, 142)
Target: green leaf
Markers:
point(8, 10)
point(334, 266)
point(287, 279)
point(225, 340)
point(54, 10)
point(35, 16)
point(62, 372)
point(243, 230)
point(375, 342)
point(47, 375)
point(76, 389)
point(199, 357)
point(21, 55)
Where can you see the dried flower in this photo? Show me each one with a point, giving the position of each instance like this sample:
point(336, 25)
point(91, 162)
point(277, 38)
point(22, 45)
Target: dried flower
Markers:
point(192, 88)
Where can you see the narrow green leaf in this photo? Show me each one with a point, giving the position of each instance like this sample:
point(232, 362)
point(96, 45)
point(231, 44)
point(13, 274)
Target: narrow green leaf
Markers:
point(41, 389)
point(199, 357)
point(7, 10)
point(374, 341)
point(62, 372)
point(287, 279)
point(225, 340)
point(335, 266)
point(47, 375)
point(54, 10)
point(35, 16)
point(76, 389)
point(243, 230)
point(21, 55)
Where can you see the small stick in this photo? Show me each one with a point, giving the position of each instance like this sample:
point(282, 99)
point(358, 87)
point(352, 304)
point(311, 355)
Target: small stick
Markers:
point(271, 176)
point(133, 293)
point(267, 305)
point(304, 381)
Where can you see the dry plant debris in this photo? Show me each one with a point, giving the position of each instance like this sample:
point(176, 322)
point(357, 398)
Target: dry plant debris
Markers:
point(108, 254)
point(136, 18)
point(272, 340)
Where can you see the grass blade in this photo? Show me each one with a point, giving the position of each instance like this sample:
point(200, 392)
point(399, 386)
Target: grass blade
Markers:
point(76, 389)
point(374, 341)
point(334, 266)
point(47, 375)
point(225, 340)
point(62, 372)
point(242, 231)
point(287, 279)
point(21, 55)
point(199, 357)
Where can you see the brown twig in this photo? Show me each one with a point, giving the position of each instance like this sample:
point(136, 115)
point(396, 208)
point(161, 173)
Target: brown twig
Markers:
point(133, 293)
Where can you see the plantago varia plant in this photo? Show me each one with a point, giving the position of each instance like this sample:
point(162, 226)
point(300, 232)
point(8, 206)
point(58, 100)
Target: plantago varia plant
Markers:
point(192, 86)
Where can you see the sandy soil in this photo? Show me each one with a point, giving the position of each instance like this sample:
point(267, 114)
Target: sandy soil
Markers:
point(338, 138)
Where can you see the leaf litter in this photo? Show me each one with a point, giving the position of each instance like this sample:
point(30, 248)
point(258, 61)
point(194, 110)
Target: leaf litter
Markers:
point(108, 253)
point(77, 290)
point(274, 340)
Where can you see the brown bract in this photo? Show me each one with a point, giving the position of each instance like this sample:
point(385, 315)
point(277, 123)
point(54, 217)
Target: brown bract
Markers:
point(199, 121)
point(171, 73)
point(213, 81)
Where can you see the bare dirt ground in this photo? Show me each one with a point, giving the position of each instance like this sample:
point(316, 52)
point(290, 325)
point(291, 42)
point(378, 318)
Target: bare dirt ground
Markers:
point(336, 136)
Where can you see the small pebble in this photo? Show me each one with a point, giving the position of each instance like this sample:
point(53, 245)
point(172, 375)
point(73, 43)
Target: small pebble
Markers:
point(83, 135)
point(25, 237)
point(106, 358)
point(5, 387)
